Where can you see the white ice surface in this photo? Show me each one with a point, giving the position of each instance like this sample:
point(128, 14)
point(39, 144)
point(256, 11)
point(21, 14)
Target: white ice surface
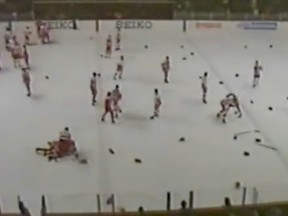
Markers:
point(209, 162)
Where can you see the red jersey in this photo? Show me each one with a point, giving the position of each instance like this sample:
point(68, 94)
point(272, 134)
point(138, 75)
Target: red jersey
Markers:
point(108, 103)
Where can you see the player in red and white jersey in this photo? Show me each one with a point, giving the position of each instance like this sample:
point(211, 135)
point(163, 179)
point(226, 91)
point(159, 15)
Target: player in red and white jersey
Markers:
point(26, 80)
point(109, 47)
point(118, 40)
point(17, 55)
point(26, 57)
point(157, 104)
point(231, 100)
point(93, 88)
point(119, 70)
point(204, 86)
point(44, 33)
point(27, 34)
point(256, 76)
point(116, 96)
point(166, 68)
point(108, 108)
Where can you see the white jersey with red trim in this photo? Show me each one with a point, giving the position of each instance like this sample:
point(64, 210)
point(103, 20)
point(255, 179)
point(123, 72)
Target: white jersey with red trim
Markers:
point(116, 95)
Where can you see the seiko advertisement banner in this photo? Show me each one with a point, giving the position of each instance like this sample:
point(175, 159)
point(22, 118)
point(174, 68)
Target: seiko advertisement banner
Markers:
point(134, 24)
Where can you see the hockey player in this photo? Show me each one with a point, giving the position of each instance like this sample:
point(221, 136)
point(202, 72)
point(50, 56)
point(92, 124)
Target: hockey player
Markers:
point(26, 80)
point(44, 33)
point(108, 108)
point(7, 38)
point(17, 55)
point(157, 104)
point(26, 56)
point(256, 76)
point(118, 40)
point(119, 70)
point(65, 135)
point(204, 87)
point(231, 100)
point(93, 88)
point(166, 68)
point(109, 47)
point(116, 97)
point(27, 35)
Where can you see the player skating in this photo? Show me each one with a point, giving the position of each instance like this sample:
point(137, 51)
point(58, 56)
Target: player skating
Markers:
point(119, 70)
point(116, 97)
point(157, 104)
point(7, 38)
point(256, 77)
point(204, 87)
point(108, 108)
point(26, 80)
point(166, 68)
point(109, 46)
point(118, 40)
point(44, 33)
point(26, 57)
point(93, 88)
point(231, 100)
point(17, 54)
point(27, 36)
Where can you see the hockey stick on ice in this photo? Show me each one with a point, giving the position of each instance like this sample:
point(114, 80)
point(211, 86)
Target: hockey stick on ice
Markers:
point(267, 146)
point(245, 132)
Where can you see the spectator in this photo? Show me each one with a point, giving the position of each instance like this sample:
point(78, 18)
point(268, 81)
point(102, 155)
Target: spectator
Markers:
point(184, 211)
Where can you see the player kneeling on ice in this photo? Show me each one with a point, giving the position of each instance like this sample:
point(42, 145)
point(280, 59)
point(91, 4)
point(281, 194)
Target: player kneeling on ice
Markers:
point(63, 147)
point(116, 97)
point(157, 104)
point(108, 108)
point(231, 100)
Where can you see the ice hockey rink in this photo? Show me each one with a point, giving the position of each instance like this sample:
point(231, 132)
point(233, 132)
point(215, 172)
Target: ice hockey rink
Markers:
point(209, 162)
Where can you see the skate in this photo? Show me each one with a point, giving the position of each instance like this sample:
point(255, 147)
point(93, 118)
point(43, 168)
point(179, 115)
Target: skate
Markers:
point(204, 101)
point(152, 117)
point(113, 121)
point(223, 121)
point(29, 94)
point(102, 120)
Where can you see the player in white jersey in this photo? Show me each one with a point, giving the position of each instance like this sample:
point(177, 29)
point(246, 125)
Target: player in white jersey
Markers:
point(65, 135)
point(231, 100)
point(157, 104)
point(118, 40)
point(116, 97)
point(256, 76)
point(93, 88)
point(27, 35)
point(119, 70)
point(204, 87)
point(166, 68)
